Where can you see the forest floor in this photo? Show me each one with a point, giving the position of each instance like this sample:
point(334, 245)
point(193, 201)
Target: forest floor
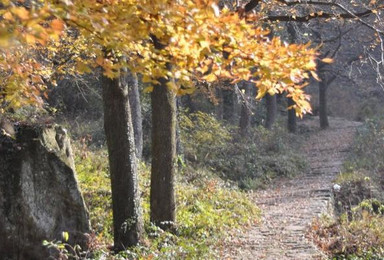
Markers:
point(290, 205)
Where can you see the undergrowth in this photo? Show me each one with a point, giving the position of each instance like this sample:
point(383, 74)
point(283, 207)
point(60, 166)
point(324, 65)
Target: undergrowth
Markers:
point(210, 205)
point(252, 161)
point(357, 234)
point(368, 148)
point(206, 211)
point(357, 231)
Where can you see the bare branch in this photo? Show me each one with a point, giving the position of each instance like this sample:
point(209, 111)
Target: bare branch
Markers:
point(322, 15)
point(347, 14)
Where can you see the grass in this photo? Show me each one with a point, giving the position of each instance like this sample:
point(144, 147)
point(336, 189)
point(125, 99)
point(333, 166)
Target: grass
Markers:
point(207, 210)
point(211, 205)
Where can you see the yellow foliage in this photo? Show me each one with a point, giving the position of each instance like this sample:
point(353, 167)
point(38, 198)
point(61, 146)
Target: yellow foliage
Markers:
point(194, 36)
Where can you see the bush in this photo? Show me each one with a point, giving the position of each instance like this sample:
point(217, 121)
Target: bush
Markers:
point(251, 161)
point(90, 133)
point(360, 236)
point(355, 187)
point(202, 136)
point(368, 148)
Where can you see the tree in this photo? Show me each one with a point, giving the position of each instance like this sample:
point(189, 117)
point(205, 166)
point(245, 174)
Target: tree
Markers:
point(229, 103)
point(127, 219)
point(172, 44)
point(291, 117)
point(162, 197)
point(131, 80)
point(271, 104)
point(349, 16)
point(246, 112)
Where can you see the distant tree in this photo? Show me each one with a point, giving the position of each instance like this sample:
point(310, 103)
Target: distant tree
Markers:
point(271, 105)
point(348, 16)
point(323, 113)
point(229, 104)
point(246, 110)
point(292, 127)
point(131, 80)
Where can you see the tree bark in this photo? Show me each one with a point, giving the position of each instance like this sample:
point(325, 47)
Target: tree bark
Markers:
point(137, 120)
point(127, 219)
point(245, 114)
point(219, 107)
point(324, 123)
point(271, 110)
point(179, 146)
point(187, 103)
point(162, 195)
point(229, 109)
point(292, 126)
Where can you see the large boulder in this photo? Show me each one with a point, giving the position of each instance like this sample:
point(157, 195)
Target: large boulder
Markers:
point(39, 193)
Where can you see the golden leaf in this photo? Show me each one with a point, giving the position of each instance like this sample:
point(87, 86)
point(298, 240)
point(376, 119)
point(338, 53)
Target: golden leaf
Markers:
point(81, 68)
point(327, 60)
point(21, 12)
point(57, 25)
point(148, 89)
point(30, 38)
point(8, 16)
point(210, 77)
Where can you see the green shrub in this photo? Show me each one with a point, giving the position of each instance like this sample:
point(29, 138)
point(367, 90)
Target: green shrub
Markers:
point(371, 107)
point(202, 136)
point(251, 161)
point(368, 148)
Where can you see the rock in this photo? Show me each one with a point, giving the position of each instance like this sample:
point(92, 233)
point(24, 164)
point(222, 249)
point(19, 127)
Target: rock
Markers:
point(39, 194)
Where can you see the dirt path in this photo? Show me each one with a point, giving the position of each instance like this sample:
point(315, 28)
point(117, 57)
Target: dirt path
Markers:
point(289, 206)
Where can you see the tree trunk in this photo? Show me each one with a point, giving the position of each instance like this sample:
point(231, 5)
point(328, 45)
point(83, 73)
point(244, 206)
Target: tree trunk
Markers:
point(291, 117)
point(127, 221)
point(323, 105)
point(229, 108)
point(245, 114)
point(162, 195)
point(271, 110)
point(134, 100)
point(292, 127)
point(187, 102)
point(219, 107)
point(179, 146)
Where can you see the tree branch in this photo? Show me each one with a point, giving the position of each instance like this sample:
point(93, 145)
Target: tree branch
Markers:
point(306, 18)
point(251, 5)
point(347, 14)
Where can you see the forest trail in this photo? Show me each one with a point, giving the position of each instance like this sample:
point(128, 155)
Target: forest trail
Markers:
point(289, 207)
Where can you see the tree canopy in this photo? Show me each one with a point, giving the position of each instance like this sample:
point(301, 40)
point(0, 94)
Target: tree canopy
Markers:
point(200, 41)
